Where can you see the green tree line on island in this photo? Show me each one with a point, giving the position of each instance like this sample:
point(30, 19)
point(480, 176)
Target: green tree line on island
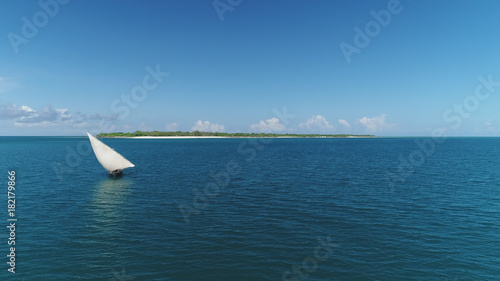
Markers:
point(218, 134)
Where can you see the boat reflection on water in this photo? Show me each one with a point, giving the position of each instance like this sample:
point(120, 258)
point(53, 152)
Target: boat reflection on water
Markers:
point(108, 215)
point(109, 202)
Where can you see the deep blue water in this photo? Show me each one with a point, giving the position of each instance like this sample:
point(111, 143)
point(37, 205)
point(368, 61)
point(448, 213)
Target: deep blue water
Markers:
point(260, 209)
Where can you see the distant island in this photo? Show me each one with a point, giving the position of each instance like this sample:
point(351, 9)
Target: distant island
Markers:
point(224, 135)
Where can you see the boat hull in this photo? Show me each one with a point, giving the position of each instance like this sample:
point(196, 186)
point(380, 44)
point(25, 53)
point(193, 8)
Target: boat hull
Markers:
point(116, 173)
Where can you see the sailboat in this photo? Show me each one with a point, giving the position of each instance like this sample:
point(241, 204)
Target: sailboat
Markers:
point(111, 160)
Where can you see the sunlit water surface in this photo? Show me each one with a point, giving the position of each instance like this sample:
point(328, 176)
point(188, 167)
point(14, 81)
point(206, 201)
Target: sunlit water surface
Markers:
point(267, 209)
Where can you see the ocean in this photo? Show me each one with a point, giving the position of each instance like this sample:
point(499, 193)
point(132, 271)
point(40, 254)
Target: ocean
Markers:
point(253, 209)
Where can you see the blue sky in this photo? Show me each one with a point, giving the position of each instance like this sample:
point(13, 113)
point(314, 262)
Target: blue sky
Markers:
point(230, 65)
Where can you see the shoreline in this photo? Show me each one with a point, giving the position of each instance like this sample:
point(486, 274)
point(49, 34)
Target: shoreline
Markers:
point(242, 137)
point(173, 137)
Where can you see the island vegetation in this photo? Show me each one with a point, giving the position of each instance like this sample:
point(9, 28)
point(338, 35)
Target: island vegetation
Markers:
point(218, 134)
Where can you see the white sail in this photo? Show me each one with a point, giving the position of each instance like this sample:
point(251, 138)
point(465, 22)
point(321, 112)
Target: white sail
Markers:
point(108, 157)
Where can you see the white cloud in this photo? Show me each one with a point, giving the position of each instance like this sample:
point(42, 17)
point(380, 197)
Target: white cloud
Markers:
point(171, 126)
point(317, 122)
point(25, 116)
point(12, 111)
point(268, 126)
point(344, 123)
point(26, 108)
point(206, 126)
point(491, 126)
point(47, 116)
point(375, 124)
point(64, 114)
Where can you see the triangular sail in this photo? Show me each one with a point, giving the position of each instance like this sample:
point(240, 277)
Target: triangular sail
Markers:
point(108, 157)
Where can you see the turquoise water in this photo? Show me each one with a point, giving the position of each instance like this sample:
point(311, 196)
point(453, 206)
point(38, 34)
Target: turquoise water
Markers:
point(261, 209)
